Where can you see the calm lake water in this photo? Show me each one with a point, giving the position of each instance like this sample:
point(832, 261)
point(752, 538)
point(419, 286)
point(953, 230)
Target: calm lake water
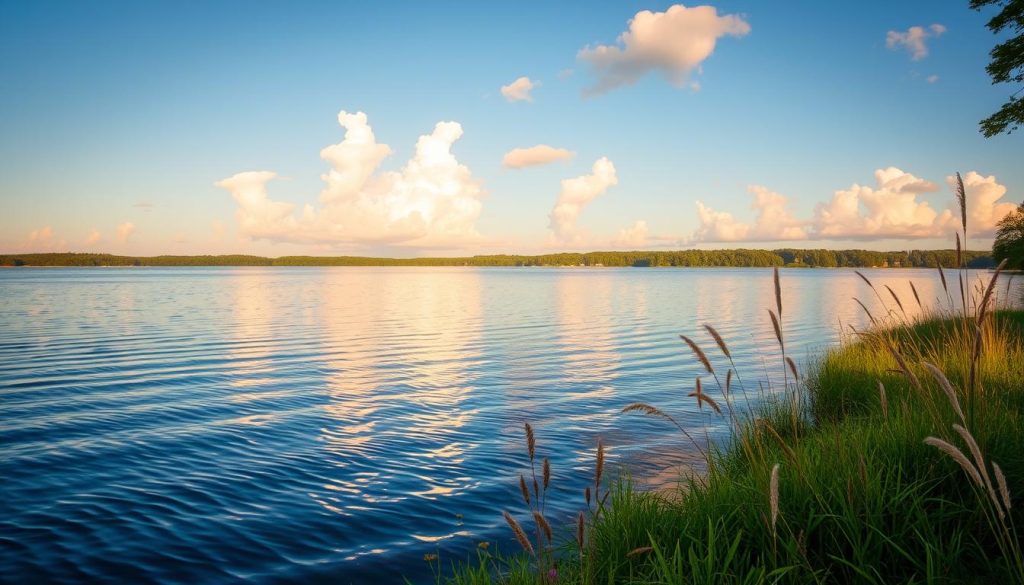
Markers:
point(336, 424)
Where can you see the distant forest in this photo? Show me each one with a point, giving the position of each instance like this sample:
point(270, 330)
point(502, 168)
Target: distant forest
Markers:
point(739, 257)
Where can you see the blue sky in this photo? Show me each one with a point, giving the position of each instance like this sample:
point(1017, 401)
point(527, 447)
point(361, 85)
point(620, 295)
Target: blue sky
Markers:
point(117, 119)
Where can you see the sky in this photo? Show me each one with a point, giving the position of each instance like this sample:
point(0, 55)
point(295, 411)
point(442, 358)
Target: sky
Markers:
point(450, 128)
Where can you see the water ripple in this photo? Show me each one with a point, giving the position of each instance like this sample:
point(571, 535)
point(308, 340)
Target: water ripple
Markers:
point(333, 425)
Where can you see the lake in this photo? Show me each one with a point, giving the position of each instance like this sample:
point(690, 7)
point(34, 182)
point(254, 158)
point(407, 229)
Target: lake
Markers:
point(336, 424)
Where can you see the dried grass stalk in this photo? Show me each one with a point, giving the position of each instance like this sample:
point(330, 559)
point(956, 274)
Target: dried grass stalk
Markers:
point(773, 495)
point(883, 399)
point(792, 367)
point(778, 291)
point(778, 329)
point(718, 340)
point(531, 441)
point(961, 199)
point(639, 551)
point(543, 523)
point(547, 473)
point(957, 456)
point(979, 461)
point(1001, 482)
point(520, 534)
point(897, 299)
point(697, 351)
point(917, 298)
point(947, 387)
point(703, 398)
point(959, 257)
point(983, 309)
point(866, 311)
point(903, 365)
point(580, 523)
point(523, 490)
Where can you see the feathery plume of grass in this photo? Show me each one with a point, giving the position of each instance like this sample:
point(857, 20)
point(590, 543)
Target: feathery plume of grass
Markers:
point(703, 398)
point(697, 351)
point(957, 456)
point(947, 387)
point(586, 495)
point(942, 277)
point(778, 290)
point(792, 367)
point(718, 340)
point(580, 532)
point(866, 311)
point(639, 551)
point(654, 411)
point(542, 522)
point(1003, 490)
point(917, 298)
point(897, 299)
point(773, 496)
point(524, 490)
point(980, 463)
point(883, 399)
point(599, 467)
point(961, 199)
point(728, 381)
point(872, 287)
point(531, 441)
point(778, 329)
point(520, 534)
point(903, 365)
point(985, 298)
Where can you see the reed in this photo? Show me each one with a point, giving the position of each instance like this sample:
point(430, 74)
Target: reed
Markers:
point(873, 492)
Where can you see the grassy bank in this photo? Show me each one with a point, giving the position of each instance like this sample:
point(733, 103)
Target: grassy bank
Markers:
point(897, 459)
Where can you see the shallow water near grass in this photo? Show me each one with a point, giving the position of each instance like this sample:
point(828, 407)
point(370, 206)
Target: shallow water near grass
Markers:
point(336, 424)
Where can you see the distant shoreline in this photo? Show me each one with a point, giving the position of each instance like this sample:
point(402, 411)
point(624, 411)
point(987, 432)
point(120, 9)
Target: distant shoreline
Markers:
point(734, 258)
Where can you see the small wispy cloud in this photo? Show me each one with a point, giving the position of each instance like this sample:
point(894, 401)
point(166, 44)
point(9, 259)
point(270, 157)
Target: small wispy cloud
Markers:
point(913, 39)
point(519, 90)
point(542, 154)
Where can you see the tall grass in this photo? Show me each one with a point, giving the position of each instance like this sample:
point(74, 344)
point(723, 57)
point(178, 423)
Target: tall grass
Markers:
point(896, 459)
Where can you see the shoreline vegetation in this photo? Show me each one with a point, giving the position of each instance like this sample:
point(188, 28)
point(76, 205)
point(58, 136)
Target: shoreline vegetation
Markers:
point(788, 257)
point(895, 459)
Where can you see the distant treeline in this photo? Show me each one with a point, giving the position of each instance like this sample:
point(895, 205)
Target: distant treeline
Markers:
point(739, 257)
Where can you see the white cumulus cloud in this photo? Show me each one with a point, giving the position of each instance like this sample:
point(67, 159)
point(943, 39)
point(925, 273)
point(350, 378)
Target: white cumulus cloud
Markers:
point(984, 208)
point(94, 238)
point(519, 90)
point(674, 42)
point(541, 154)
point(575, 195)
point(913, 39)
point(773, 222)
point(432, 202)
point(891, 209)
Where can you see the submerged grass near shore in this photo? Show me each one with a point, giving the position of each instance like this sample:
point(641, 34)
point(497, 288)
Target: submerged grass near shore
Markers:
point(896, 459)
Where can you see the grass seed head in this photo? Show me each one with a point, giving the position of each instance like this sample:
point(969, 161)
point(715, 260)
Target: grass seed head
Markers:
point(519, 533)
